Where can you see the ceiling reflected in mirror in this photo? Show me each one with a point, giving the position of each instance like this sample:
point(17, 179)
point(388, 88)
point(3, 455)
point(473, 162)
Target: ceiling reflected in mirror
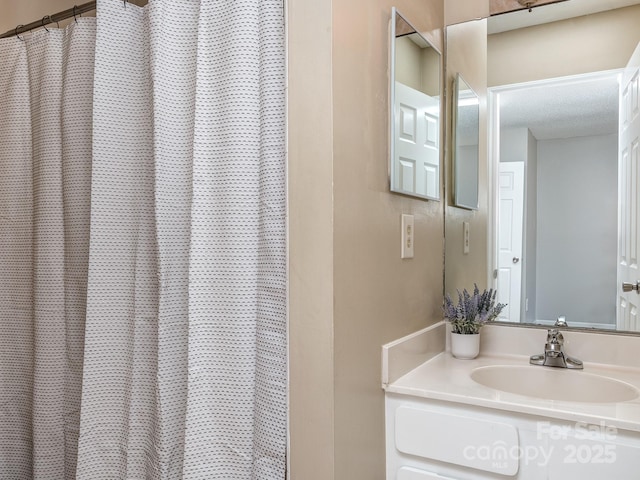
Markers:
point(545, 11)
point(559, 110)
point(403, 27)
point(498, 7)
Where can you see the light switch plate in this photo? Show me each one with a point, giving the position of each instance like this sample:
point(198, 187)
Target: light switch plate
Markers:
point(407, 236)
point(465, 237)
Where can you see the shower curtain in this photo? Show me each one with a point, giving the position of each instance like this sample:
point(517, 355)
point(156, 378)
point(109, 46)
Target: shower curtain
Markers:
point(142, 245)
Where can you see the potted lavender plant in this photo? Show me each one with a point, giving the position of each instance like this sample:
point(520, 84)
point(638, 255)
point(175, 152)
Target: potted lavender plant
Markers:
point(467, 318)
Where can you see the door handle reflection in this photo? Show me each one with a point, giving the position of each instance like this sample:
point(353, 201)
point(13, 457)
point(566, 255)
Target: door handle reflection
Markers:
point(628, 287)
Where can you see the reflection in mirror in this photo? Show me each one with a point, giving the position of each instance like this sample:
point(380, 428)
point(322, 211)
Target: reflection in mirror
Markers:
point(558, 154)
point(466, 111)
point(570, 240)
point(565, 175)
point(416, 113)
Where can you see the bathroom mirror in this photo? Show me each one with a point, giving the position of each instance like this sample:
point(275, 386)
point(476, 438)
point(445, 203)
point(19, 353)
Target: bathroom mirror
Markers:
point(466, 136)
point(416, 111)
point(557, 197)
point(576, 42)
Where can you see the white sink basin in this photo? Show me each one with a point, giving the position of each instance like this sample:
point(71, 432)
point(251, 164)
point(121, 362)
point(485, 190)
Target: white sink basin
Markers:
point(554, 383)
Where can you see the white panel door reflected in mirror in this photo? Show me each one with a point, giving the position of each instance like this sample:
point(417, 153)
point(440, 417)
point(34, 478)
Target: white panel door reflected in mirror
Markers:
point(416, 101)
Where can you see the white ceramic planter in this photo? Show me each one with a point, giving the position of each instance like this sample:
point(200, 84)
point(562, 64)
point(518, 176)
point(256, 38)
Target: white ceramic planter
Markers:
point(465, 347)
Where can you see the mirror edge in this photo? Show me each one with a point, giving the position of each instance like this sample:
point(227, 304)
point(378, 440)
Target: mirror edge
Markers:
point(392, 94)
point(602, 331)
point(454, 147)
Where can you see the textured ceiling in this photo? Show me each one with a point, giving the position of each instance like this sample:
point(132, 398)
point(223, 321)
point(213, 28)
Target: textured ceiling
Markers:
point(578, 108)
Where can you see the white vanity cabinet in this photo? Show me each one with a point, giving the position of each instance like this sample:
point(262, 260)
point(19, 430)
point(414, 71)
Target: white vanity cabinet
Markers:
point(433, 439)
point(443, 424)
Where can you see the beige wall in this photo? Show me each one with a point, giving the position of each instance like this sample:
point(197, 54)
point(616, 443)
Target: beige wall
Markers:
point(458, 11)
point(467, 55)
point(407, 67)
point(591, 43)
point(14, 13)
point(17, 12)
point(350, 297)
point(349, 290)
point(378, 296)
point(311, 263)
point(418, 67)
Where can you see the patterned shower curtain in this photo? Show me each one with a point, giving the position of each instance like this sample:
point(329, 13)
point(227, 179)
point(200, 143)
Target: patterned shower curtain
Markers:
point(142, 245)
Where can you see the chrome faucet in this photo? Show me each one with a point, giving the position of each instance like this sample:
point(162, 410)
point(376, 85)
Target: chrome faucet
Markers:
point(554, 355)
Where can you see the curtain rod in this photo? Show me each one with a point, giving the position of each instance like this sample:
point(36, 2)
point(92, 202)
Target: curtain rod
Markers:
point(55, 18)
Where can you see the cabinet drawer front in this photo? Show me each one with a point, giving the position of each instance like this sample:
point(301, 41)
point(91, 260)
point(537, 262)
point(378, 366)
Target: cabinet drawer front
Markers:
point(461, 440)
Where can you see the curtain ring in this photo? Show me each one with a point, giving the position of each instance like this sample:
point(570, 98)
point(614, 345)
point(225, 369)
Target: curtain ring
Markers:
point(43, 25)
point(17, 34)
point(74, 13)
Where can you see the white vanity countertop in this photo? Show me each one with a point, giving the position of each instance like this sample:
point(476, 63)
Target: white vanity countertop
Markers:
point(449, 379)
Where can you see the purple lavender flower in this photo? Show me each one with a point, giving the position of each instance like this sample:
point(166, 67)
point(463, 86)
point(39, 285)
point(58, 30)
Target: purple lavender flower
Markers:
point(472, 311)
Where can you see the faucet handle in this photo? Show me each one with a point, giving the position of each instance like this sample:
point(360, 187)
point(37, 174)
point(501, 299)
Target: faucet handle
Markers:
point(561, 321)
point(554, 337)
